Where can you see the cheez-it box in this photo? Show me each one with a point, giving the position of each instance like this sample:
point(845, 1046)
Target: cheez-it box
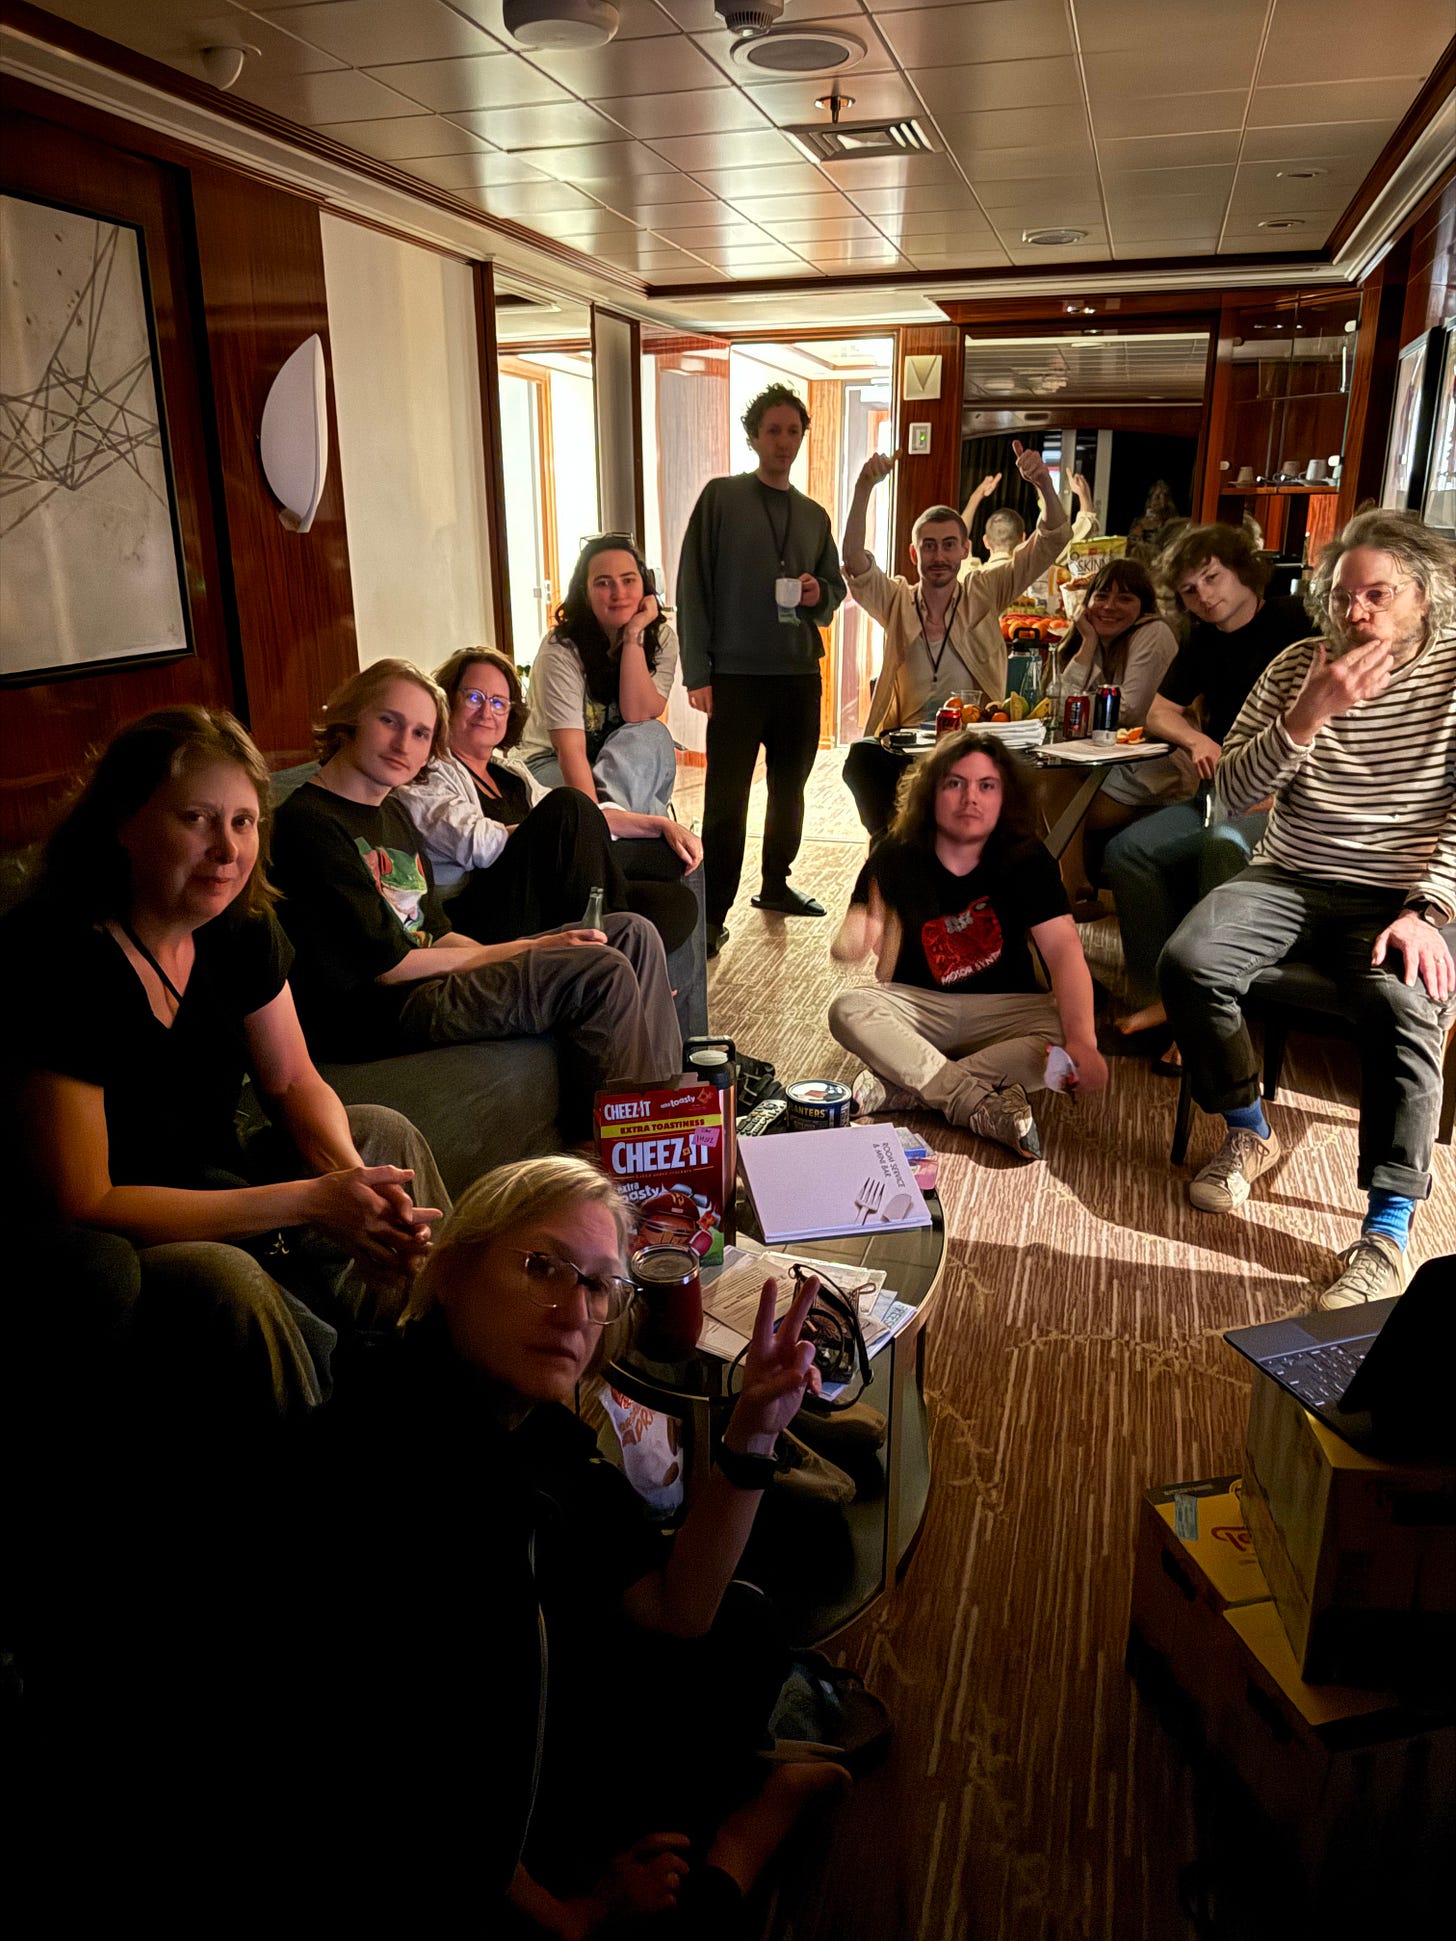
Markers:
point(667, 1149)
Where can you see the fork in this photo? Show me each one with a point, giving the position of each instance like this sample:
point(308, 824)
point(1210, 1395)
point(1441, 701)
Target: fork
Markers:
point(868, 1203)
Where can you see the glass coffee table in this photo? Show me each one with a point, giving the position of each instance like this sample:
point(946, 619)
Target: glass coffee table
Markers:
point(839, 1560)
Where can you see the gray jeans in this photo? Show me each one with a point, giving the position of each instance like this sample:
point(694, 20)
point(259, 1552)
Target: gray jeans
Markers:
point(608, 1006)
point(1260, 918)
point(949, 1050)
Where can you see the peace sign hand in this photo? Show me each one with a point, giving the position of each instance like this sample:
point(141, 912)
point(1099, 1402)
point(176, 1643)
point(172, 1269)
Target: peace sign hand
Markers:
point(778, 1371)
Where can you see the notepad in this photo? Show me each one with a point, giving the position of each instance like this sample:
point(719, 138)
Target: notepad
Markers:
point(815, 1185)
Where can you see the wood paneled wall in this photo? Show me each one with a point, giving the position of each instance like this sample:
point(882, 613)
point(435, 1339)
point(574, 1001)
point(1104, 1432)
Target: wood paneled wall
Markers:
point(260, 262)
point(935, 478)
point(1430, 289)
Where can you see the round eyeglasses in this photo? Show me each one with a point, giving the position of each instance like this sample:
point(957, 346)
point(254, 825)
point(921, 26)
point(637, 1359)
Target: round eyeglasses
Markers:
point(497, 703)
point(551, 1281)
point(1374, 599)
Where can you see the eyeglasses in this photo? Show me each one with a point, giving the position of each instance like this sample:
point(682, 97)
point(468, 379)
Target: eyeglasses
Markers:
point(473, 698)
point(1374, 599)
point(551, 1282)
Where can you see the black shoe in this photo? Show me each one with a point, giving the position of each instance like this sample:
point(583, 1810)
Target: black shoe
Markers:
point(717, 936)
point(789, 903)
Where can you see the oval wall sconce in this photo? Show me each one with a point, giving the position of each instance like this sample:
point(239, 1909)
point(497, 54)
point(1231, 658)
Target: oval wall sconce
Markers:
point(294, 438)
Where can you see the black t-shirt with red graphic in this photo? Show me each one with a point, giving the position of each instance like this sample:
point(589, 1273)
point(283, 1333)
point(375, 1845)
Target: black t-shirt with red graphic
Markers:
point(966, 933)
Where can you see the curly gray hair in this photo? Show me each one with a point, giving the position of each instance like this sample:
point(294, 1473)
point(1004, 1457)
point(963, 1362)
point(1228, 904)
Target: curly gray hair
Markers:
point(1429, 559)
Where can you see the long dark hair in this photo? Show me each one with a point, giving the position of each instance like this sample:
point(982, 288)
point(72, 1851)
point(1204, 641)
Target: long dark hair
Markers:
point(85, 868)
point(1127, 576)
point(579, 627)
point(914, 823)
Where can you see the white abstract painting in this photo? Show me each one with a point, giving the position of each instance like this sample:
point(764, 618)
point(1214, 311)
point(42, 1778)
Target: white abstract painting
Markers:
point(89, 559)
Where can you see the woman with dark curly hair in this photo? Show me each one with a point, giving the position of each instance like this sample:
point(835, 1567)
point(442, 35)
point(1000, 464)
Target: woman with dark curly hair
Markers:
point(600, 684)
point(950, 904)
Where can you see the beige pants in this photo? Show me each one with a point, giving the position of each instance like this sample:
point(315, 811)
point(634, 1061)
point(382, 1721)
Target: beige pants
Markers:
point(949, 1050)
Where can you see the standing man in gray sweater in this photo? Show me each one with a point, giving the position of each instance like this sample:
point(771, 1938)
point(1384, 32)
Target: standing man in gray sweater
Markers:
point(759, 576)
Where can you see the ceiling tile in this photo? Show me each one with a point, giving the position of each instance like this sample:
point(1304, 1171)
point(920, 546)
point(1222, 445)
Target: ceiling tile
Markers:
point(175, 31)
point(993, 30)
point(755, 259)
point(488, 81)
point(674, 215)
point(1333, 101)
point(1009, 128)
point(343, 95)
point(734, 149)
point(768, 209)
point(1248, 212)
point(1009, 164)
point(866, 256)
point(475, 171)
point(738, 235)
point(663, 66)
point(553, 125)
point(1017, 189)
point(1355, 141)
point(593, 162)
point(1170, 114)
point(1167, 246)
point(1169, 151)
point(1052, 213)
point(1216, 60)
point(1256, 241)
point(827, 229)
point(638, 18)
point(699, 111)
point(984, 85)
point(930, 195)
point(1109, 26)
point(798, 178)
point(875, 96)
point(404, 138)
point(1151, 202)
point(524, 199)
point(650, 191)
point(599, 224)
point(699, 273)
point(693, 16)
point(1122, 184)
point(906, 224)
point(1165, 228)
point(1339, 40)
point(366, 32)
point(1337, 181)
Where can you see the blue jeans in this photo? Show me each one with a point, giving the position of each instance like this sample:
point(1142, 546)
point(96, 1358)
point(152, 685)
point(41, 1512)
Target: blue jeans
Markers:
point(635, 768)
point(1159, 867)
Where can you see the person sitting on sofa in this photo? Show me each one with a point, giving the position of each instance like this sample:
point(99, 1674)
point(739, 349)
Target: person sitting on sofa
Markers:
point(600, 684)
point(164, 983)
point(510, 857)
point(951, 903)
point(942, 635)
point(380, 966)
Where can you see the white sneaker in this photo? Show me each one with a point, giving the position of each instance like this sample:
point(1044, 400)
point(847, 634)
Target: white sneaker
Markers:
point(875, 1094)
point(1005, 1115)
point(1223, 1185)
point(1372, 1269)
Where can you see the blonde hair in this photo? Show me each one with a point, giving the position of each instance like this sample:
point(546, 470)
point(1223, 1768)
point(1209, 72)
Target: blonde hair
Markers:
point(340, 714)
point(506, 1198)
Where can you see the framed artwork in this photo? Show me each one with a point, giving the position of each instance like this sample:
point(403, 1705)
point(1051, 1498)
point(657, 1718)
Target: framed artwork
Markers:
point(1410, 424)
point(1438, 505)
point(91, 567)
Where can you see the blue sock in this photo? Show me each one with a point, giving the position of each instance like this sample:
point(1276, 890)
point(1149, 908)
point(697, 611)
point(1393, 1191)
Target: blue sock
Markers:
point(1248, 1118)
point(1390, 1214)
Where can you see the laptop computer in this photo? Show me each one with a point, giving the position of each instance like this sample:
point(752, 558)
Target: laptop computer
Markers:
point(1381, 1375)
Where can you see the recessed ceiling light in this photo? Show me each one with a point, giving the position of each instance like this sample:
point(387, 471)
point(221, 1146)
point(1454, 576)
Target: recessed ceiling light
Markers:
point(1283, 222)
point(1052, 238)
point(1298, 174)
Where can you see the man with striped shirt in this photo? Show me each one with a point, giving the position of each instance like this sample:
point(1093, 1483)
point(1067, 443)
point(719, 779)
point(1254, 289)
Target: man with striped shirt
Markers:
point(1354, 736)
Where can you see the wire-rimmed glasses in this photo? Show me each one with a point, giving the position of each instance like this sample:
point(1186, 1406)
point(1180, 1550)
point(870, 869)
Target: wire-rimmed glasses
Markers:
point(552, 1280)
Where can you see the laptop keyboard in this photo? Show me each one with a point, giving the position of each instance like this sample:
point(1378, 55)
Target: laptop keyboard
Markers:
point(1321, 1375)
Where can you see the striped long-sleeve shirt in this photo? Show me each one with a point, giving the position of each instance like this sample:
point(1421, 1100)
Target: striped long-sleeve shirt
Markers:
point(1373, 798)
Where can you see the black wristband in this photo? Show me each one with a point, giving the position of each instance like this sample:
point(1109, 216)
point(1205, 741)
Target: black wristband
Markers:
point(745, 1472)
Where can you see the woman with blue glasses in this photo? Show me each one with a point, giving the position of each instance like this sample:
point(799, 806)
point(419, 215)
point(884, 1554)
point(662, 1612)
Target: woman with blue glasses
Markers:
point(509, 856)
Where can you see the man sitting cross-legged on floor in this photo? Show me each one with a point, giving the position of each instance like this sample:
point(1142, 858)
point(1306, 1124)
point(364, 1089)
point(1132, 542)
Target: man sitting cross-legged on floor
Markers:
point(379, 969)
point(951, 902)
point(942, 636)
point(1355, 738)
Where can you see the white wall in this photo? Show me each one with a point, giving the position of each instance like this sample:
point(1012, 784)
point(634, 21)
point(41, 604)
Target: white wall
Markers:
point(407, 391)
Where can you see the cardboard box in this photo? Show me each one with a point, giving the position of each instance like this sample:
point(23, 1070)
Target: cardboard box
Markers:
point(1360, 1554)
point(669, 1150)
point(1350, 1775)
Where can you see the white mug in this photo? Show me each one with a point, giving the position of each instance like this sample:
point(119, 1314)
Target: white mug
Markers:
point(1319, 468)
point(1246, 475)
point(786, 593)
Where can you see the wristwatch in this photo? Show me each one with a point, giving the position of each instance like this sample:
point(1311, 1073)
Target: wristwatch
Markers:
point(1429, 911)
point(745, 1472)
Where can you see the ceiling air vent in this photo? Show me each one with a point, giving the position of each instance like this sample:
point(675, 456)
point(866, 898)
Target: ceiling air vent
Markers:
point(842, 141)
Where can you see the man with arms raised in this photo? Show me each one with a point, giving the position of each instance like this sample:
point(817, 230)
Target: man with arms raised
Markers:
point(1355, 739)
point(942, 636)
point(1005, 528)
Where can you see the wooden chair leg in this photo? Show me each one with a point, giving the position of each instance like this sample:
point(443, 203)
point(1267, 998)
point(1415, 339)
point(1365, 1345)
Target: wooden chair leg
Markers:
point(1183, 1123)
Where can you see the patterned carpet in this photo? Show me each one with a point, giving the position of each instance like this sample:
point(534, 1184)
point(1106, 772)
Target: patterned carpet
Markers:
point(1074, 1360)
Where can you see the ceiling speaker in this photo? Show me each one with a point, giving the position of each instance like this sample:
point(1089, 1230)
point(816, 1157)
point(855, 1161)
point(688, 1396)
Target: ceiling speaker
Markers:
point(561, 23)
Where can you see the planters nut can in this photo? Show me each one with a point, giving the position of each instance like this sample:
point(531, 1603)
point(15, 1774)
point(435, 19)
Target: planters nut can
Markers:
point(815, 1103)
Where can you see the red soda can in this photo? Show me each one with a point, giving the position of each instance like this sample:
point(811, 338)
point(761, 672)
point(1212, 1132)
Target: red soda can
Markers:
point(1076, 717)
point(1105, 710)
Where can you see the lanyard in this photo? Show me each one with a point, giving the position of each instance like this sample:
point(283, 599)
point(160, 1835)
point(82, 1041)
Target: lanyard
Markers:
point(936, 658)
point(767, 495)
point(137, 945)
